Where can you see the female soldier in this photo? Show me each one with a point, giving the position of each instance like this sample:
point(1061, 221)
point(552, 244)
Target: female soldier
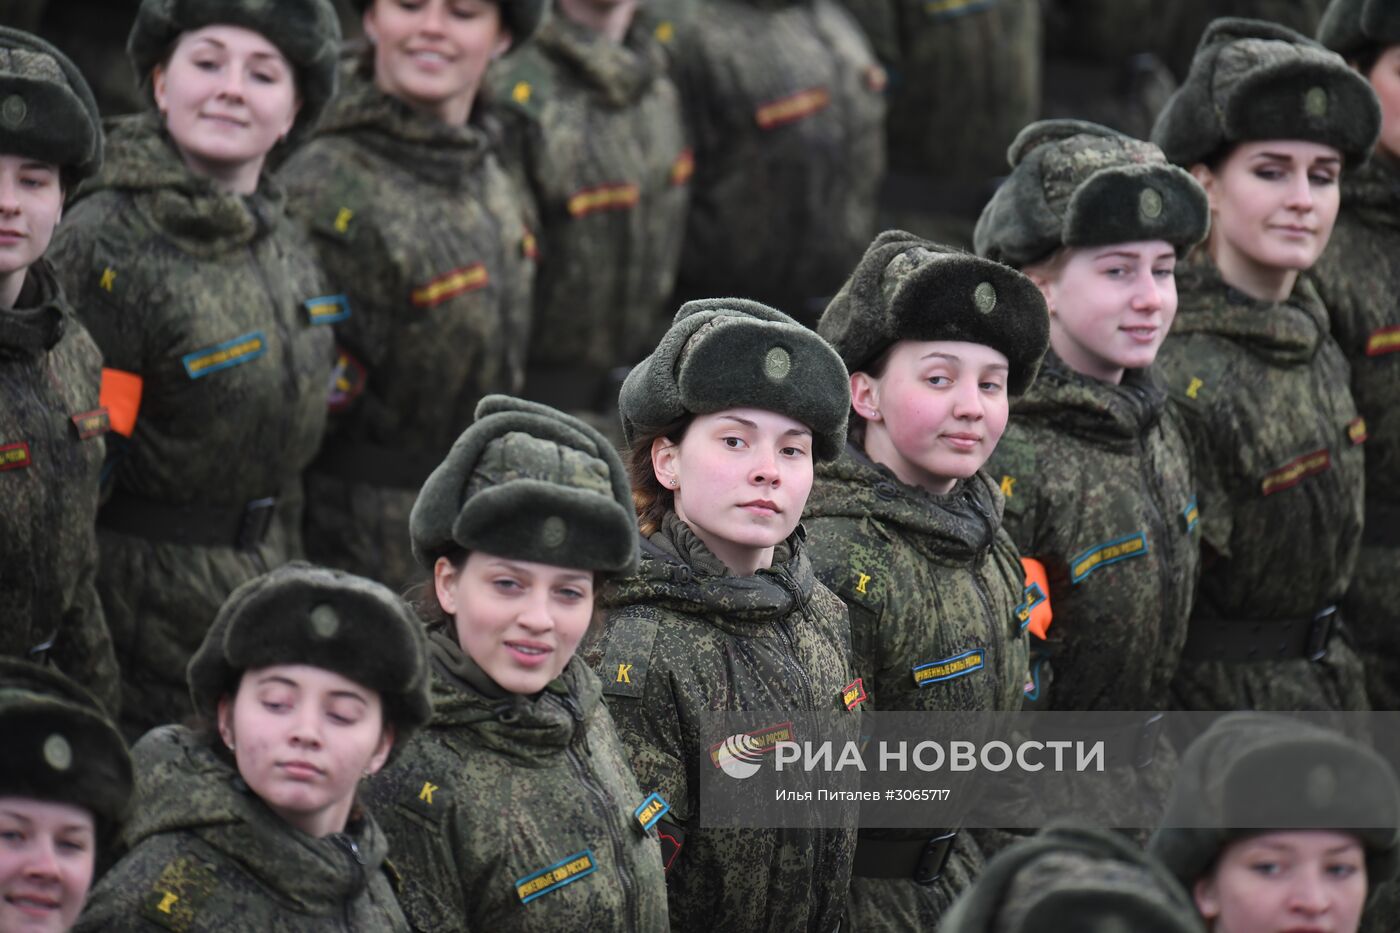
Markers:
point(204, 298)
point(723, 421)
point(423, 234)
point(907, 529)
point(309, 679)
point(65, 781)
point(516, 810)
point(1275, 825)
point(1267, 121)
point(1357, 278)
point(51, 418)
point(1095, 467)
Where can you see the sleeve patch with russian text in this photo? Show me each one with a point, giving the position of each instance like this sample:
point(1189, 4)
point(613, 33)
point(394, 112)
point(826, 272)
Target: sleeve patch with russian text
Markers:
point(1110, 552)
point(651, 810)
point(224, 355)
point(959, 665)
point(563, 872)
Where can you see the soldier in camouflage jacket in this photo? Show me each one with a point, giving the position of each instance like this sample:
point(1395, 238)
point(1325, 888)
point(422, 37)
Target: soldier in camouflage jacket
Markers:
point(603, 147)
point(933, 582)
point(212, 302)
point(51, 418)
point(783, 99)
point(1275, 433)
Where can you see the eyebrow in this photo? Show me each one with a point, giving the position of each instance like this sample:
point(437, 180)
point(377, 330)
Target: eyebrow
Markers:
point(269, 55)
point(278, 679)
point(348, 695)
point(1285, 157)
point(16, 815)
point(736, 419)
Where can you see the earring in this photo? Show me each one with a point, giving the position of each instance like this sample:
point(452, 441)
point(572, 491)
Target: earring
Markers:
point(675, 483)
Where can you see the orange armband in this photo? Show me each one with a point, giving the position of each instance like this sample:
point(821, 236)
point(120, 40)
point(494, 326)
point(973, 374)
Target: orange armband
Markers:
point(121, 396)
point(1034, 611)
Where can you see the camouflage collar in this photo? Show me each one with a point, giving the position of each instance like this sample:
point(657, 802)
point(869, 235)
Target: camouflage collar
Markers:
point(622, 73)
point(958, 526)
point(1372, 191)
point(1094, 411)
point(37, 322)
point(1285, 333)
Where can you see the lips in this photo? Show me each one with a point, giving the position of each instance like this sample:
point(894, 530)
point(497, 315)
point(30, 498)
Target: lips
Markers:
point(761, 506)
point(300, 770)
point(961, 440)
point(224, 119)
point(33, 904)
point(529, 653)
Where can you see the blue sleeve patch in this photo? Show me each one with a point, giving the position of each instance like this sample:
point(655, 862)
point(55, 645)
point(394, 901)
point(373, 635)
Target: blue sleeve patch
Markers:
point(1032, 690)
point(1191, 515)
point(949, 668)
point(328, 309)
point(1033, 596)
point(1101, 555)
point(651, 810)
point(565, 871)
point(233, 352)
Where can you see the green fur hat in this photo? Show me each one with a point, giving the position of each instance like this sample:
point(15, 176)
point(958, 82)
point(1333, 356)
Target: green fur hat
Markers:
point(1074, 183)
point(60, 746)
point(307, 32)
point(1252, 772)
point(527, 482)
point(908, 288)
point(733, 353)
point(1352, 26)
point(522, 17)
point(47, 111)
point(300, 614)
point(1086, 880)
point(1253, 80)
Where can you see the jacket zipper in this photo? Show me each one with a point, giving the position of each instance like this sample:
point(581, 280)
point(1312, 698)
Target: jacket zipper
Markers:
point(357, 861)
point(288, 375)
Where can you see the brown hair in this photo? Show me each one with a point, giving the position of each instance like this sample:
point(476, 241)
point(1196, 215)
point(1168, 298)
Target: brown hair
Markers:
point(651, 499)
point(855, 424)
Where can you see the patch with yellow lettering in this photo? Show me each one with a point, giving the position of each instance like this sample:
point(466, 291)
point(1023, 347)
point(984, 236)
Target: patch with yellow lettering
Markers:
point(1356, 431)
point(529, 246)
point(92, 424)
point(327, 309)
point(665, 32)
point(546, 880)
point(14, 456)
point(1383, 341)
point(224, 355)
point(959, 665)
point(174, 901)
point(427, 799)
point(853, 694)
point(1191, 516)
point(758, 742)
point(1194, 389)
point(950, 9)
point(683, 167)
point(449, 285)
point(1295, 471)
point(1110, 552)
point(623, 670)
point(1008, 486)
point(650, 811)
point(348, 378)
point(1031, 597)
point(622, 196)
point(792, 108)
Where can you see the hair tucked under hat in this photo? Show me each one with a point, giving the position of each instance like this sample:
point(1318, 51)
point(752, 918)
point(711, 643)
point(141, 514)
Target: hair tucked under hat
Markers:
point(1254, 80)
point(908, 288)
point(47, 111)
point(1075, 183)
point(1350, 27)
point(300, 614)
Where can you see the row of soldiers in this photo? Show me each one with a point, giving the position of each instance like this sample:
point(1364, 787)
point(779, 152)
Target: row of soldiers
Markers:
point(196, 286)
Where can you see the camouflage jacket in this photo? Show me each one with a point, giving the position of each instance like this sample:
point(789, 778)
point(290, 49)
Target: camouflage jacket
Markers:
point(1276, 442)
point(603, 146)
point(512, 812)
point(685, 638)
point(933, 584)
point(783, 99)
point(212, 300)
point(423, 237)
point(205, 854)
point(1100, 488)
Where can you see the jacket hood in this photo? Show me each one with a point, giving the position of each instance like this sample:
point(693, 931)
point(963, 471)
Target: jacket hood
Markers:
point(958, 526)
point(36, 323)
point(620, 72)
point(1094, 411)
point(470, 710)
point(680, 573)
point(143, 161)
point(1286, 332)
point(182, 786)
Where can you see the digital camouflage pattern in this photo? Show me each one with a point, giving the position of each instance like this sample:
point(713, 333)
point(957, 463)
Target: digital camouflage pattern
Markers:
point(602, 143)
point(1263, 388)
point(1357, 278)
point(684, 638)
point(203, 853)
point(51, 450)
point(204, 296)
point(500, 787)
point(1085, 466)
point(424, 235)
point(932, 582)
point(784, 104)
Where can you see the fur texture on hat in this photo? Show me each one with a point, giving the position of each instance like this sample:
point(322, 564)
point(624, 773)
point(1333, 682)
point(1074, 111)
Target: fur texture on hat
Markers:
point(1252, 773)
point(300, 614)
point(528, 482)
point(1080, 184)
point(723, 353)
point(307, 32)
point(908, 288)
point(47, 111)
point(60, 746)
point(1352, 26)
point(1086, 880)
point(521, 17)
point(1253, 80)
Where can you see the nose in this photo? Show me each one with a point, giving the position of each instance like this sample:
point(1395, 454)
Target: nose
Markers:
point(9, 194)
point(1300, 192)
point(43, 861)
point(967, 400)
point(1309, 894)
point(434, 15)
point(763, 468)
point(1148, 295)
point(534, 611)
point(306, 727)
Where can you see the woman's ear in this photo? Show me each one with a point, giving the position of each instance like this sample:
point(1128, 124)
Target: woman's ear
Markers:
point(224, 717)
point(445, 577)
point(503, 44)
point(381, 751)
point(1206, 178)
point(865, 395)
point(665, 462)
point(1204, 893)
